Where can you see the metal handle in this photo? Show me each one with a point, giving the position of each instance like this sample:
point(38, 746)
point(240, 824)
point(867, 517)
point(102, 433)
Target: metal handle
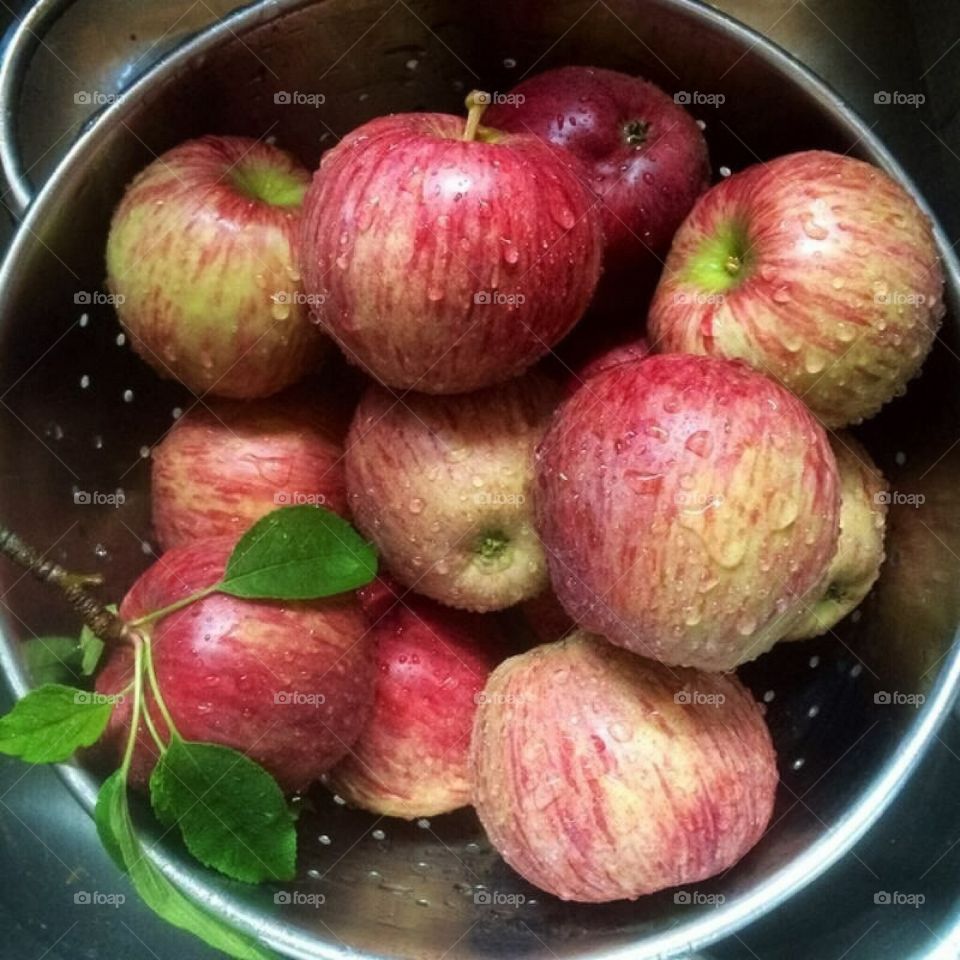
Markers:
point(26, 37)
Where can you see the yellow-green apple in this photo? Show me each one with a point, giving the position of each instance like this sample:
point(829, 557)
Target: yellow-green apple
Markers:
point(202, 259)
point(446, 257)
point(410, 760)
point(599, 775)
point(818, 269)
point(688, 507)
point(227, 463)
point(290, 684)
point(645, 157)
point(856, 564)
point(444, 487)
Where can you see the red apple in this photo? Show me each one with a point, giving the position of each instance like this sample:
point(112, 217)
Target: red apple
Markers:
point(856, 563)
point(443, 487)
point(819, 270)
point(202, 261)
point(226, 464)
point(611, 356)
point(446, 259)
point(602, 776)
point(689, 508)
point(411, 758)
point(645, 157)
point(290, 684)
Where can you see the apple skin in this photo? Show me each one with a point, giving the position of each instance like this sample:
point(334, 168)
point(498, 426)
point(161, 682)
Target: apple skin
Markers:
point(444, 487)
point(203, 252)
point(688, 507)
point(855, 567)
point(835, 290)
point(225, 464)
point(223, 662)
point(446, 265)
point(602, 776)
point(646, 188)
point(411, 758)
point(627, 352)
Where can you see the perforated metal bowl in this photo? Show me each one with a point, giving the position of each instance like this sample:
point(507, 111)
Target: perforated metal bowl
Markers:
point(80, 412)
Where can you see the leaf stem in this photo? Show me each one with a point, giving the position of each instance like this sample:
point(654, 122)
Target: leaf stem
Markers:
point(106, 625)
point(155, 690)
point(176, 605)
point(137, 706)
point(148, 721)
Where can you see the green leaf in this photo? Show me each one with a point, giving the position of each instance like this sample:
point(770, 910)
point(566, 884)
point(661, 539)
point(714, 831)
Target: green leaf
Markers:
point(52, 659)
point(116, 831)
point(299, 553)
point(231, 812)
point(91, 647)
point(50, 723)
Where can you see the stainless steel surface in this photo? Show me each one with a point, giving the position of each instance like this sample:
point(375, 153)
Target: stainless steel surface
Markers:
point(854, 754)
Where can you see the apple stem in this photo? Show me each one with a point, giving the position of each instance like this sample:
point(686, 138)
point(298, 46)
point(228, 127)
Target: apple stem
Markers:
point(477, 101)
point(105, 624)
point(635, 133)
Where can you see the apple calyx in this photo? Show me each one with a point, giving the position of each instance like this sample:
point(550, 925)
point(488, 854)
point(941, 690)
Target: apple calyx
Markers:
point(476, 102)
point(635, 133)
point(491, 549)
point(276, 188)
point(722, 260)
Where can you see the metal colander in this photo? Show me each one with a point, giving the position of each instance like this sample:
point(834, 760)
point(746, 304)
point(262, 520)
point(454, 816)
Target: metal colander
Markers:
point(80, 414)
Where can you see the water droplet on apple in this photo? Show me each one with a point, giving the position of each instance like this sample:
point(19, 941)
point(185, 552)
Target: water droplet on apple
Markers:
point(643, 483)
point(747, 626)
point(620, 732)
point(511, 254)
point(565, 217)
point(814, 362)
point(435, 294)
point(781, 295)
point(814, 230)
point(700, 443)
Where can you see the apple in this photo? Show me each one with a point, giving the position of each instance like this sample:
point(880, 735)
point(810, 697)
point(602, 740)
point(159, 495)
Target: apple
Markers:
point(443, 486)
point(445, 257)
point(688, 507)
point(410, 760)
point(855, 567)
point(818, 269)
point(602, 776)
point(645, 157)
point(202, 262)
point(225, 464)
point(289, 684)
